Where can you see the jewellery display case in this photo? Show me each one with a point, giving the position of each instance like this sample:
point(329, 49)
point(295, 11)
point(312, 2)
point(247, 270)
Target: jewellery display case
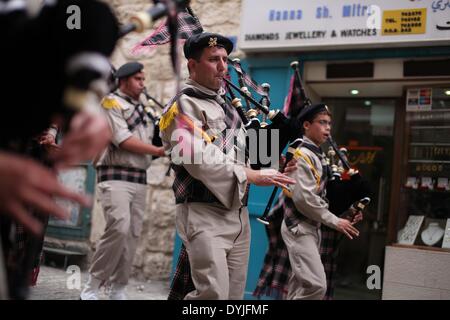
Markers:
point(417, 257)
point(424, 197)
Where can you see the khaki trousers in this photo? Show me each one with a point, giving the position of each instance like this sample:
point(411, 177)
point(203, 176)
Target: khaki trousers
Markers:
point(307, 280)
point(218, 245)
point(124, 206)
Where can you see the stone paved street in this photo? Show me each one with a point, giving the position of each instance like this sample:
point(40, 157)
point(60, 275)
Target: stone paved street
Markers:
point(52, 285)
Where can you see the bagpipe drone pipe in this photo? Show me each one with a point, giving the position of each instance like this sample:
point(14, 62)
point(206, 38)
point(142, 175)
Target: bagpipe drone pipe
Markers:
point(346, 190)
point(281, 127)
point(290, 134)
point(288, 129)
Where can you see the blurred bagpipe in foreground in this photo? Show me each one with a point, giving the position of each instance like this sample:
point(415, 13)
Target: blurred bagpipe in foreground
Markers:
point(56, 62)
point(70, 68)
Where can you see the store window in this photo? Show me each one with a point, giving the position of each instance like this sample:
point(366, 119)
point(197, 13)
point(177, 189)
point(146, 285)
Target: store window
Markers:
point(424, 210)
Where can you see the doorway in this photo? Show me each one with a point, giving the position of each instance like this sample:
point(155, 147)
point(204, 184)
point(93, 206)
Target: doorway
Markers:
point(366, 128)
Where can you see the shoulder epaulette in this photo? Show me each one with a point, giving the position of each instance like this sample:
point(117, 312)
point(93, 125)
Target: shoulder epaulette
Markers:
point(168, 116)
point(109, 102)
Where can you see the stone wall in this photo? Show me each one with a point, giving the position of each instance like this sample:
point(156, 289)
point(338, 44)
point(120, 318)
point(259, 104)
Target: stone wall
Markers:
point(154, 254)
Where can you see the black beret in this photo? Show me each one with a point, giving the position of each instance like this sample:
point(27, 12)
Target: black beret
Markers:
point(128, 69)
point(206, 39)
point(309, 111)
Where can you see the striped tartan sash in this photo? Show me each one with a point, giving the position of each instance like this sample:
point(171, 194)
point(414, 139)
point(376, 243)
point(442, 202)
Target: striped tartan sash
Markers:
point(137, 117)
point(228, 137)
point(107, 173)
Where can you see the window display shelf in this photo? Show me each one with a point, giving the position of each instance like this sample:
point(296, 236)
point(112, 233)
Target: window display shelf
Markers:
point(426, 190)
point(413, 246)
point(428, 161)
point(427, 144)
point(429, 127)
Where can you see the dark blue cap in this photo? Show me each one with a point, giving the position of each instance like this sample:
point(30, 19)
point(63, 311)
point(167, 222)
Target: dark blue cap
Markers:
point(199, 41)
point(310, 111)
point(128, 69)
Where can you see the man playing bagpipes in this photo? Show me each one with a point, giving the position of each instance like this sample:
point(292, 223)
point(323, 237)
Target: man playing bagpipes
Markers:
point(122, 182)
point(206, 140)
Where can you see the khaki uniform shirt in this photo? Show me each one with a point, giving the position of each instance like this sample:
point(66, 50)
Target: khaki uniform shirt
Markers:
point(227, 180)
point(306, 194)
point(117, 118)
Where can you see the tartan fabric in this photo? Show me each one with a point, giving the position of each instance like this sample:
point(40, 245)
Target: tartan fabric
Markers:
point(227, 138)
point(329, 250)
point(35, 273)
point(22, 254)
point(246, 195)
point(292, 216)
point(185, 187)
point(188, 189)
point(328, 254)
point(188, 25)
point(247, 79)
point(274, 275)
point(23, 251)
point(107, 173)
point(182, 281)
point(137, 117)
point(293, 102)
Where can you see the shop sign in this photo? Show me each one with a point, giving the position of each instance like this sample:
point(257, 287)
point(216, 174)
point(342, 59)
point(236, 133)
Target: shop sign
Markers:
point(292, 25)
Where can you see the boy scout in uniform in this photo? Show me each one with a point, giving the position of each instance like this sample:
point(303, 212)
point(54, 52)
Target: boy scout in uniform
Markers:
point(211, 193)
point(122, 183)
point(308, 208)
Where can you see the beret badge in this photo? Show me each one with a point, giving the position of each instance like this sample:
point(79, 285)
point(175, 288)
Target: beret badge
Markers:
point(212, 41)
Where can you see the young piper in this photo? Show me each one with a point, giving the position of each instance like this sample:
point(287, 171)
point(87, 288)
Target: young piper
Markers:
point(308, 209)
